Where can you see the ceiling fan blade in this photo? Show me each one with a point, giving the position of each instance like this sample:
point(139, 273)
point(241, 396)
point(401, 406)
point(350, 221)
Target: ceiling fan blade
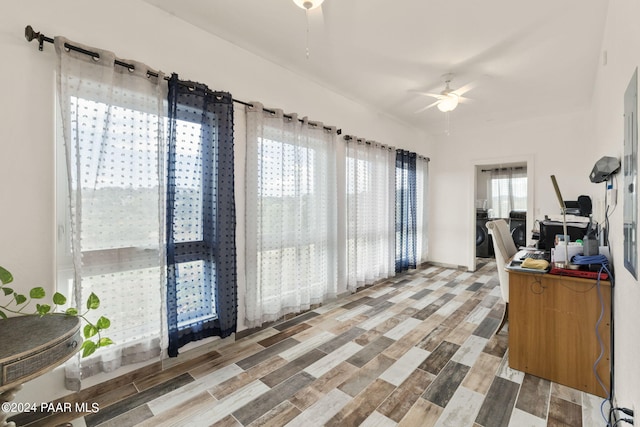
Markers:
point(427, 107)
point(463, 100)
point(433, 95)
point(464, 89)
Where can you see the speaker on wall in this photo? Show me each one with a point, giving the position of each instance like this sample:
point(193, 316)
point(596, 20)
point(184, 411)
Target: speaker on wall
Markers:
point(603, 168)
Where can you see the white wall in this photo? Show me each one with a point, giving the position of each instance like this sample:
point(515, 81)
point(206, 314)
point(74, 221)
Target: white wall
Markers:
point(550, 145)
point(566, 146)
point(136, 30)
point(622, 44)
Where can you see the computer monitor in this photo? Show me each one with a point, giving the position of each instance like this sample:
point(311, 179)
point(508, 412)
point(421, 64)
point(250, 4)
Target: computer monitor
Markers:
point(549, 229)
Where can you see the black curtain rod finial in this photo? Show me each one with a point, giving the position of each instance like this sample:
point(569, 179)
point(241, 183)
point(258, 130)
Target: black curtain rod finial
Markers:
point(30, 34)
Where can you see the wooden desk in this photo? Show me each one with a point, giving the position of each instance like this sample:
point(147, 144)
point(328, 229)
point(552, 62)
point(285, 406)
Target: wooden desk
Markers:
point(552, 323)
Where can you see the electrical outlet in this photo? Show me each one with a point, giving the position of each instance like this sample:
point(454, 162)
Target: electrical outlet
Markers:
point(620, 415)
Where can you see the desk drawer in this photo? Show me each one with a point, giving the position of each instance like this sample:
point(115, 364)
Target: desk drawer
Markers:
point(31, 366)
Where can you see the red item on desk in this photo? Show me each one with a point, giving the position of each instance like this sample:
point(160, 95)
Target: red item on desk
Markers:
point(579, 273)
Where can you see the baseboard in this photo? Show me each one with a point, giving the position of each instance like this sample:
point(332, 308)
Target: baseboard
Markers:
point(445, 265)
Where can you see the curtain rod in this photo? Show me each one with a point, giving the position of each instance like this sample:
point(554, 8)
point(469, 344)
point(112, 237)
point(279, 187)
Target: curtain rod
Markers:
point(502, 169)
point(30, 35)
point(368, 142)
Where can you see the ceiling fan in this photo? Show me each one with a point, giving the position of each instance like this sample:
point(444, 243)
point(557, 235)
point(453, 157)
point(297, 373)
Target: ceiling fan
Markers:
point(448, 99)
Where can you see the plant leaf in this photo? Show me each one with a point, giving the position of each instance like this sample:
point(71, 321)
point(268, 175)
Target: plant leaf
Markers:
point(43, 309)
point(7, 291)
point(5, 276)
point(89, 331)
point(37, 293)
point(103, 323)
point(71, 311)
point(20, 299)
point(93, 301)
point(2, 315)
point(59, 299)
point(104, 342)
point(88, 347)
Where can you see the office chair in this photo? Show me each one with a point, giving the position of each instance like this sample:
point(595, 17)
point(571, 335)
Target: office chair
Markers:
point(504, 248)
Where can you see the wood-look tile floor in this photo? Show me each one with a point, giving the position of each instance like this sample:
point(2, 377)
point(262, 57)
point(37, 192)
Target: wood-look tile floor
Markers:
point(417, 350)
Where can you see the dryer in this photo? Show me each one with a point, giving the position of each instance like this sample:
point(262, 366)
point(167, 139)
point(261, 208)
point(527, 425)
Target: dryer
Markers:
point(518, 227)
point(484, 243)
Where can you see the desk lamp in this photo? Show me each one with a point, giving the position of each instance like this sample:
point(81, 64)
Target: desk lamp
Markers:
point(564, 223)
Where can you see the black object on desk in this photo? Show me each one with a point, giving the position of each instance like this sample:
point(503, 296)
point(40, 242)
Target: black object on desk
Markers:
point(549, 230)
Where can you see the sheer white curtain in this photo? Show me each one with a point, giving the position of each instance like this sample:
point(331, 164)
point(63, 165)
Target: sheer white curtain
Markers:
point(291, 215)
point(422, 217)
point(370, 212)
point(112, 121)
point(507, 190)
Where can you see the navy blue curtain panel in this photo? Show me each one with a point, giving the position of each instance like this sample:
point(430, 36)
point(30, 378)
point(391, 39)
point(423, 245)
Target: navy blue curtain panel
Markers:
point(201, 219)
point(406, 208)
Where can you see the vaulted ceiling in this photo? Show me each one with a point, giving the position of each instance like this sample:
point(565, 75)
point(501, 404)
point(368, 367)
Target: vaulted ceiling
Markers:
point(519, 58)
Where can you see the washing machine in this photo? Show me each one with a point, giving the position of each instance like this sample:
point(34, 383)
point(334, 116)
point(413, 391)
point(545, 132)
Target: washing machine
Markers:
point(484, 243)
point(518, 227)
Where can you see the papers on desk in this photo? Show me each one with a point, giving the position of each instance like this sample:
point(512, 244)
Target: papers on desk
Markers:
point(574, 219)
point(518, 267)
point(519, 261)
point(525, 253)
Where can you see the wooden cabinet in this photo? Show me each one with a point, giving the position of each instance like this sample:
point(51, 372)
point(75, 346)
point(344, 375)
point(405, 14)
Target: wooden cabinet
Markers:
point(552, 329)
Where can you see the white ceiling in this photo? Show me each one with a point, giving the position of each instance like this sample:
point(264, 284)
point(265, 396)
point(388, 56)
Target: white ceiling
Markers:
point(523, 58)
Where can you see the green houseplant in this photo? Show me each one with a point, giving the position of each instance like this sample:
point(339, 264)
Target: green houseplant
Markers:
point(15, 303)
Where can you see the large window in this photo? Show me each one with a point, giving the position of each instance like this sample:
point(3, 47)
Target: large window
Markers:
point(115, 212)
point(508, 191)
point(406, 211)
point(188, 210)
point(121, 221)
point(291, 205)
point(146, 211)
point(370, 212)
point(110, 216)
point(201, 260)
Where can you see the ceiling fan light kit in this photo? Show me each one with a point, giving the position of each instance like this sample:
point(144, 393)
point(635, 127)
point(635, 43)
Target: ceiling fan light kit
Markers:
point(448, 99)
point(448, 102)
point(308, 4)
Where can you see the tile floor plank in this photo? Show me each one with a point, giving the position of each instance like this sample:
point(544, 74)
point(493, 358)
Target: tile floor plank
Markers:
point(439, 357)
point(534, 396)
point(498, 405)
point(446, 384)
point(278, 394)
point(361, 406)
point(398, 404)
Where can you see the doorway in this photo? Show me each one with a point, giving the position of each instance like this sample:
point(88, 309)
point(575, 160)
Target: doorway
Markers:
point(502, 188)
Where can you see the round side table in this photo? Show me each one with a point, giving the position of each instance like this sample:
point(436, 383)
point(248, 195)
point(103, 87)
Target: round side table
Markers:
point(31, 346)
